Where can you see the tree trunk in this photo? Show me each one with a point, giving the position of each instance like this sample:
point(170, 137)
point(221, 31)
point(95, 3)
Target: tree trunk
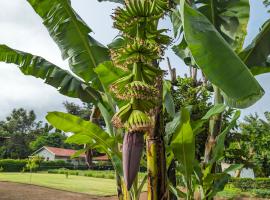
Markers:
point(214, 127)
point(156, 160)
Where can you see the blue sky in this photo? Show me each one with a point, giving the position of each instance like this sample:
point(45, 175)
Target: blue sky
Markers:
point(21, 28)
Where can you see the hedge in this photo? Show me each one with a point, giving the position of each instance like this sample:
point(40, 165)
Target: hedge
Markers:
point(251, 184)
point(11, 165)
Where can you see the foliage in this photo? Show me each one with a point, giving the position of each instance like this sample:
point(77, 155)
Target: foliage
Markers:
point(255, 142)
point(11, 165)
point(138, 51)
point(49, 139)
point(258, 62)
point(71, 34)
point(21, 126)
point(236, 95)
point(83, 111)
point(189, 92)
point(246, 184)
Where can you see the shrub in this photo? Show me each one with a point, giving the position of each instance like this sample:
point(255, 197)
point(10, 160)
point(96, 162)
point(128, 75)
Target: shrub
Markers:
point(12, 165)
point(262, 193)
point(248, 183)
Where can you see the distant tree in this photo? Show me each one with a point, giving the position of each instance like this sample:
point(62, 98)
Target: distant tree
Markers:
point(56, 139)
point(83, 111)
point(253, 146)
point(21, 126)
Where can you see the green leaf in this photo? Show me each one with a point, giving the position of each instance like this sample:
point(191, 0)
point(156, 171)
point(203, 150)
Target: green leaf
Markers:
point(183, 145)
point(229, 17)
point(219, 147)
point(176, 21)
point(71, 34)
point(79, 139)
point(168, 99)
point(216, 109)
point(183, 52)
point(53, 75)
point(78, 153)
point(106, 142)
point(256, 55)
point(108, 73)
point(70, 123)
point(233, 167)
point(218, 61)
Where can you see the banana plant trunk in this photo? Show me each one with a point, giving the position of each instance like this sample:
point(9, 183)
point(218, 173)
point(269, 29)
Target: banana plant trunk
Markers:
point(214, 130)
point(156, 159)
point(214, 127)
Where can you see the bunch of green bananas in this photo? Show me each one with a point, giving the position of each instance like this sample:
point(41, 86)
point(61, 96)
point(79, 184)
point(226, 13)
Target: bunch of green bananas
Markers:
point(137, 54)
point(142, 46)
point(136, 51)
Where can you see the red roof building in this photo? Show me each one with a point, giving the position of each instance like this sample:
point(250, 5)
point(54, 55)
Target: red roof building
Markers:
point(54, 153)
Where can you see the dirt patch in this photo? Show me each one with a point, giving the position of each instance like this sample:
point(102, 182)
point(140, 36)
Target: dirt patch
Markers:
point(17, 191)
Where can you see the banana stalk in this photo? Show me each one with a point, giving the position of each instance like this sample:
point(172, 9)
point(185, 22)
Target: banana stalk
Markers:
point(143, 46)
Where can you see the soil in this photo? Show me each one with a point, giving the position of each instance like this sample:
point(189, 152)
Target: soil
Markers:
point(18, 191)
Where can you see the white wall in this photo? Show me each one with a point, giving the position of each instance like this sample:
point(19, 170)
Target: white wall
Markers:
point(44, 153)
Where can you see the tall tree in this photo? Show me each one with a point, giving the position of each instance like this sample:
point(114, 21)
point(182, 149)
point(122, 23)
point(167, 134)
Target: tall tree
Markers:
point(21, 127)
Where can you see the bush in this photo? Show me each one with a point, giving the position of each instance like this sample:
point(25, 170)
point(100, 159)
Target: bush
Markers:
point(249, 184)
point(12, 165)
point(262, 193)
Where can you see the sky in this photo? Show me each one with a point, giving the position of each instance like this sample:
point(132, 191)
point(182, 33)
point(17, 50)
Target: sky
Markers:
point(22, 29)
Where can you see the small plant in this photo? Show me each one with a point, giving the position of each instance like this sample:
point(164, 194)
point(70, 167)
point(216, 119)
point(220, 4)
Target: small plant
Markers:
point(1, 169)
point(31, 165)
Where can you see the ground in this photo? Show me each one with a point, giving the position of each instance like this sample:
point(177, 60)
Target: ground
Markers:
point(57, 186)
point(80, 184)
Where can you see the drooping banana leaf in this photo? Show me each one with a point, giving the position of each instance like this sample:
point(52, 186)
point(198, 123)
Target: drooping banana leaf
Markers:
point(103, 140)
point(229, 17)
point(53, 75)
point(256, 55)
point(218, 61)
point(71, 34)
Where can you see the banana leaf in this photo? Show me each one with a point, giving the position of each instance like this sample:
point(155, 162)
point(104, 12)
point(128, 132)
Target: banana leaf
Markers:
point(218, 61)
point(53, 75)
point(256, 54)
point(103, 140)
point(71, 34)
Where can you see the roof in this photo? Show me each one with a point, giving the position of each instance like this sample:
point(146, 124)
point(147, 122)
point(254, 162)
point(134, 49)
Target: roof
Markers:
point(60, 151)
point(101, 158)
point(69, 152)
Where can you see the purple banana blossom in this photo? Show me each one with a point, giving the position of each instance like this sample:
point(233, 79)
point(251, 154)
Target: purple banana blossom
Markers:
point(132, 152)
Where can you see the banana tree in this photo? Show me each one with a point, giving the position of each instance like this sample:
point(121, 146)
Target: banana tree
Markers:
point(230, 19)
point(138, 96)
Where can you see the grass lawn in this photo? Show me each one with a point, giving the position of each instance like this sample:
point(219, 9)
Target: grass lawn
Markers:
point(88, 185)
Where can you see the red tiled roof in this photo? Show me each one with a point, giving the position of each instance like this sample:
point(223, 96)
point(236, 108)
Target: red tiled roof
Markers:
point(101, 158)
point(63, 152)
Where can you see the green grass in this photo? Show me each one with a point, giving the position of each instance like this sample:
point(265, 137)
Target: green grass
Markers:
point(81, 184)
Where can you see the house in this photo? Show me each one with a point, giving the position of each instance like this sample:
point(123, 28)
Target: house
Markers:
point(54, 153)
